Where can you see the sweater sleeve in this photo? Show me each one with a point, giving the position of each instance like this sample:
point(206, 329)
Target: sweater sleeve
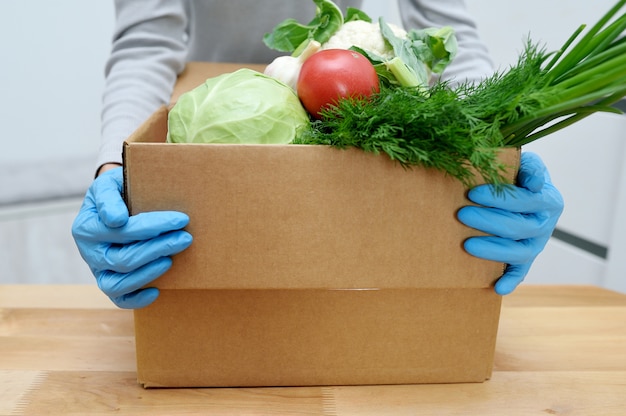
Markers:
point(148, 52)
point(472, 62)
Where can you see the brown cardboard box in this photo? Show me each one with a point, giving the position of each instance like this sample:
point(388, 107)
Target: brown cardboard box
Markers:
point(310, 266)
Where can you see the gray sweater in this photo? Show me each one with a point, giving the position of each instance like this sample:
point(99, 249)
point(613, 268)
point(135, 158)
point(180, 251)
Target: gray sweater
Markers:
point(154, 38)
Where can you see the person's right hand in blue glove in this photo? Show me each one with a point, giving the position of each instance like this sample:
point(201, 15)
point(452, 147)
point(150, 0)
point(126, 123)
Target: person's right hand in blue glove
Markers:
point(126, 253)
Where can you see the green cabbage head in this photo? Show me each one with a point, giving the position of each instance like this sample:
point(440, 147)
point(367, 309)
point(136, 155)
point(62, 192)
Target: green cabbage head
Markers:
point(244, 106)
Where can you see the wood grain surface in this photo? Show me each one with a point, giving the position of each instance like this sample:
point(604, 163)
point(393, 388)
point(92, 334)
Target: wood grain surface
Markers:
point(67, 350)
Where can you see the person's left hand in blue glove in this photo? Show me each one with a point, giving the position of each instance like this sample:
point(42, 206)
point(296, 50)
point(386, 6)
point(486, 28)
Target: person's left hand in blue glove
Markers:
point(519, 220)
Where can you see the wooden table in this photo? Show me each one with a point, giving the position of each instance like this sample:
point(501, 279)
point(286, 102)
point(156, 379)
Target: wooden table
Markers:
point(66, 350)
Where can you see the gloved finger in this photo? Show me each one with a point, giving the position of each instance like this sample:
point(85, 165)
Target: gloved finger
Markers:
point(512, 277)
point(128, 257)
point(516, 199)
point(503, 250)
point(147, 225)
point(107, 195)
point(532, 174)
point(534, 193)
point(115, 285)
point(503, 223)
point(138, 299)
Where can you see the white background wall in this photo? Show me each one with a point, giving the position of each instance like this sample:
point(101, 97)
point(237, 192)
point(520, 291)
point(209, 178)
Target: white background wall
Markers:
point(53, 56)
point(52, 77)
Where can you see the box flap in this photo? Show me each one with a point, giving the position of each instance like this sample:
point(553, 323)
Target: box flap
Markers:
point(295, 216)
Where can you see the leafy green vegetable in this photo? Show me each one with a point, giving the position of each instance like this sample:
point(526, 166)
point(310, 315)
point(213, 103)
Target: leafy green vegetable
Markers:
point(288, 35)
point(437, 47)
point(457, 129)
point(404, 52)
point(356, 14)
point(417, 56)
point(244, 106)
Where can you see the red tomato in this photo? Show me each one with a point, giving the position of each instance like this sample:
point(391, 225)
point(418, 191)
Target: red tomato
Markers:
point(331, 74)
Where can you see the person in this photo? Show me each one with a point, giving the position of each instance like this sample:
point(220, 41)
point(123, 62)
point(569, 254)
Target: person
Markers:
point(153, 40)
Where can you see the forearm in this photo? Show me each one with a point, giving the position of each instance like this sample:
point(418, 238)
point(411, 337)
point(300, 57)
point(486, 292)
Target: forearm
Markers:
point(148, 52)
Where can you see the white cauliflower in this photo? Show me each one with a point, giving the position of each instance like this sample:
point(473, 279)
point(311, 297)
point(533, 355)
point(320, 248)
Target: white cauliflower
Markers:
point(366, 36)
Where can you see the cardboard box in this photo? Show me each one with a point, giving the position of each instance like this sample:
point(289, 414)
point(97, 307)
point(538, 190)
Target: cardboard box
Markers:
point(310, 266)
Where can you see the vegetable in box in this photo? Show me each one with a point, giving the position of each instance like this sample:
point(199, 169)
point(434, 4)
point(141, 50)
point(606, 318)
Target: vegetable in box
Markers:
point(416, 118)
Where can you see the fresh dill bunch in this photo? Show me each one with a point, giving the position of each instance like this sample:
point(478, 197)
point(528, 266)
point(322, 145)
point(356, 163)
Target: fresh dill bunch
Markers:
point(505, 96)
point(415, 127)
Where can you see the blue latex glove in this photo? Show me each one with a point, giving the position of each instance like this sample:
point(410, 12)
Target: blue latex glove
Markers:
point(520, 222)
point(124, 252)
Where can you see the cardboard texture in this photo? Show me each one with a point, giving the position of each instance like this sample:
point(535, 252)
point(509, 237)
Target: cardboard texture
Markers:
point(310, 266)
